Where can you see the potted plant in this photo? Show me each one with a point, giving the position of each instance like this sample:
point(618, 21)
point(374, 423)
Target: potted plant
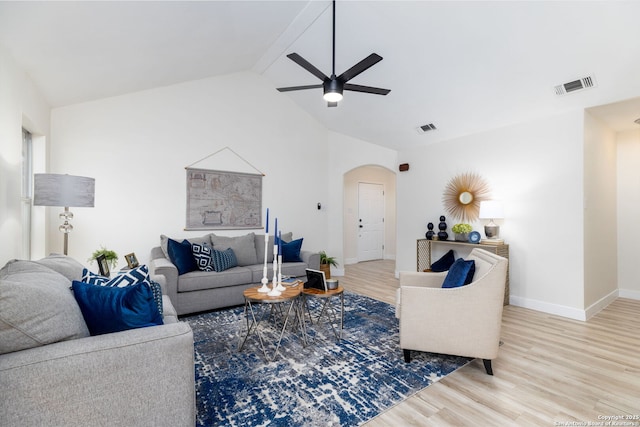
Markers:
point(462, 232)
point(326, 262)
point(110, 256)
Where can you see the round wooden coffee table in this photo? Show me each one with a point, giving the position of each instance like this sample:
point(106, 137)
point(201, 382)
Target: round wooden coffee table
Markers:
point(327, 310)
point(280, 310)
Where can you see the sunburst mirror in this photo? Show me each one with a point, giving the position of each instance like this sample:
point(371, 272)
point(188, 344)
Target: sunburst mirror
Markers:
point(463, 194)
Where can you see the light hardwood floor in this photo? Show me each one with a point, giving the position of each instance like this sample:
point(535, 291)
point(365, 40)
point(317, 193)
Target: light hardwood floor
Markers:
point(550, 371)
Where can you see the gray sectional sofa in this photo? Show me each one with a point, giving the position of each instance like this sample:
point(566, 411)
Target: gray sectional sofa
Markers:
point(197, 291)
point(52, 373)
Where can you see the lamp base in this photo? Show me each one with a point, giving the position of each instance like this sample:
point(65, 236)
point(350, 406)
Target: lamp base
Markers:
point(492, 231)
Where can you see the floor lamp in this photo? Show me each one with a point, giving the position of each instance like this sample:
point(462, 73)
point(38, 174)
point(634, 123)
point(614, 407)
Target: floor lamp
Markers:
point(66, 191)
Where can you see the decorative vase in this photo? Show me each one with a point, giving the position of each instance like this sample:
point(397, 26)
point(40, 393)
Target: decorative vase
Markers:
point(462, 237)
point(442, 234)
point(430, 233)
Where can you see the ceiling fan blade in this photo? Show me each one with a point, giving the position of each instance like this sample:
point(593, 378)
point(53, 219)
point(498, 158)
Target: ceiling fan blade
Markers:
point(332, 104)
point(291, 88)
point(307, 66)
point(366, 89)
point(361, 66)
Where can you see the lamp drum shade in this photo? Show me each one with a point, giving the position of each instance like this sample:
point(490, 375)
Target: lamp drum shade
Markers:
point(491, 209)
point(63, 190)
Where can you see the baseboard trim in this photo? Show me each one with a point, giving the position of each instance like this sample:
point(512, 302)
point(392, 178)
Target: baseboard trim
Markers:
point(348, 261)
point(545, 307)
point(629, 293)
point(569, 312)
point(597, 306)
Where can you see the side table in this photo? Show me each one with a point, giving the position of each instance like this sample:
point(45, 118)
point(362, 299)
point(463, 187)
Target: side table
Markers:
point(327, 310)
point(279, 308)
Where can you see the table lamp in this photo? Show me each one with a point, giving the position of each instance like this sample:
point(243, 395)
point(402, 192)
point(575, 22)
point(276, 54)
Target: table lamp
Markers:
point(491, 209)
point(66, 191)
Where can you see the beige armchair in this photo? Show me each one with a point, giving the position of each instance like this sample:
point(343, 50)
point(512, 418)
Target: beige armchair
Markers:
point(462, 321)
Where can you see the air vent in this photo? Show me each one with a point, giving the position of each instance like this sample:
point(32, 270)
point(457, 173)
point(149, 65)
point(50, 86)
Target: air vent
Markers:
point(427, 128)
point(576, 85)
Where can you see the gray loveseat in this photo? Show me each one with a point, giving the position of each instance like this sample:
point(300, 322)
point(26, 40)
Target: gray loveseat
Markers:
point(198, 290)
point(52, 373)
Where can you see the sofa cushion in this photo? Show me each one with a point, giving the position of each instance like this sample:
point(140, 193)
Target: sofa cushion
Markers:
point(223, 260)
point(259, 242)
point(63, 264)
point(460, 274)
point(202, 255)
point(292, 269)
point(291, 251)
point(244, 247)
point(108, 309)
point(36, 307)
point(444, 263)
point(181, 256)
point(199, 280)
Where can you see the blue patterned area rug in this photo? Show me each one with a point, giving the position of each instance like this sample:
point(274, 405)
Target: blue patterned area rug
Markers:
point(327, 383)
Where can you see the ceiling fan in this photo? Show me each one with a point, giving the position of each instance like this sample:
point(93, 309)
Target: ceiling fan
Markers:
point(334, 86)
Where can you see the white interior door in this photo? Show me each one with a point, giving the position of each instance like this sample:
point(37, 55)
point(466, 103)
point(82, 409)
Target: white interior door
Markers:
point(370, 221)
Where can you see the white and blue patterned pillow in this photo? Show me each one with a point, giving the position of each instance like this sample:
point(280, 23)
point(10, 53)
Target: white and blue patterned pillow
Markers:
point(120, 280)
point(223, 260)
point(126, 278)
point(202, 255)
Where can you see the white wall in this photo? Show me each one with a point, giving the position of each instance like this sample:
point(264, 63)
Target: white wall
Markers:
point(137, 146)
point(600, 223)
point(371, 175)
point(21, 105)
point(347, 153)
point(628, 145)
point(536, 168)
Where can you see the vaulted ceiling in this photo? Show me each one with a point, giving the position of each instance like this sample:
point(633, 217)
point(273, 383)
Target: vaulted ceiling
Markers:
point(463, 66)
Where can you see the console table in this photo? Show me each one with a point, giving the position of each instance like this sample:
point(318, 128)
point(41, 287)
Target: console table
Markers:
point(425, 249)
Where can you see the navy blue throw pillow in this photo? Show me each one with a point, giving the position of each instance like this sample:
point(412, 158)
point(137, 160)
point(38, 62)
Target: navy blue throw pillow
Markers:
point(291, 251)
point(444, 263)
point(181, 256)
point(108, 309)
point(460, 274)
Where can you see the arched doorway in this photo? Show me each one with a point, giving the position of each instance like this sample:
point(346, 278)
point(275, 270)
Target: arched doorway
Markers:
point(353, 239)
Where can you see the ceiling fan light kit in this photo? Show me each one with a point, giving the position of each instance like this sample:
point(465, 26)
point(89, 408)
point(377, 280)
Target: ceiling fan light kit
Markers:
point(332, 91)
point(334, 86)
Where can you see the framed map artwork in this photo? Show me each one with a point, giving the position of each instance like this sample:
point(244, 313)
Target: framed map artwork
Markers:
point(220, 199)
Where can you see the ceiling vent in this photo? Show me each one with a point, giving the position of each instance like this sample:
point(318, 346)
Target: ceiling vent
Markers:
point(427, 128)
point(576, 85)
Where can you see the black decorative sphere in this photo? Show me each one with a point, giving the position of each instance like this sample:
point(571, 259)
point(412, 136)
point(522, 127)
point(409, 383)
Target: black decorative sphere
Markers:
point(430, 234)
point(430, 226)
point(442, 226)
point(443, 235)
point(442, 218)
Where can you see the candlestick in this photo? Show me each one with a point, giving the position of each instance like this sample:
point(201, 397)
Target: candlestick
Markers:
point(274, 284)
point(280, 287)
point(264, 288)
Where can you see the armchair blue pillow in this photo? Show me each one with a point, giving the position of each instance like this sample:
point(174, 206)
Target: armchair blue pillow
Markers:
point(444, 263)
point(460, 274)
